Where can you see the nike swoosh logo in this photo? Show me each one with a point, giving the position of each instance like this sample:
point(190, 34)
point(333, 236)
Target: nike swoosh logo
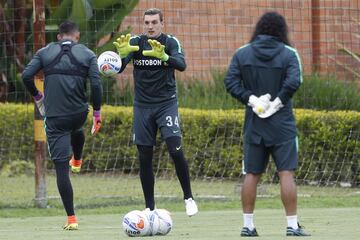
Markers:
point(176, 131)
point(178, 148)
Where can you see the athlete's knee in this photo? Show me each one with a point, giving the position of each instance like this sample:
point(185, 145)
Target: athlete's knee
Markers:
point(174, 145)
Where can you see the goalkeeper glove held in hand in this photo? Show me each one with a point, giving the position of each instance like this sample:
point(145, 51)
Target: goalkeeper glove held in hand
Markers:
point(275, 106)
point(259, 105)
point(123, 46)
point(158, 51)
point(39, 101)
point(96, 122)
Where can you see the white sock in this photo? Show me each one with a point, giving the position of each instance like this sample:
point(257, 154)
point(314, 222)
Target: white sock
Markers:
point(249, 221)
point(292, 221)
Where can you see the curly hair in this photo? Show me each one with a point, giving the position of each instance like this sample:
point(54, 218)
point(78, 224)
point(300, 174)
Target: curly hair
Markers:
point(273, 24)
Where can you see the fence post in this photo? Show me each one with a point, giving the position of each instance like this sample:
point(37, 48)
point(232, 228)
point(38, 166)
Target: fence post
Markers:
point(39, 132)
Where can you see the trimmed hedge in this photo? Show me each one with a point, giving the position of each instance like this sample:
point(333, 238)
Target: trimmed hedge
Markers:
point(329, 143)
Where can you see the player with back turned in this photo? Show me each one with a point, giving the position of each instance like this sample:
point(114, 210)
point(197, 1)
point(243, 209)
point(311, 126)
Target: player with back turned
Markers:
point(66, 65)
point(155, 57)
point(265, 69)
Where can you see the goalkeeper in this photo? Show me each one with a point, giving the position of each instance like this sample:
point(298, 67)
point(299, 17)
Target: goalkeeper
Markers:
point(155, 57)
point(268, 69)
point(66, 66)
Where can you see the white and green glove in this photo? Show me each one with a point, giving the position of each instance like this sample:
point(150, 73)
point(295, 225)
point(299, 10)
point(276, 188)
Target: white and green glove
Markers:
point(157, 51)
point(275, 106)
point(123, 46)
point(259, 105)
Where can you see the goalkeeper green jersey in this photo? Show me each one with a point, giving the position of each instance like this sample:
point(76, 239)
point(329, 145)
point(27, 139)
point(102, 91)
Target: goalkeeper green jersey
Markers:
point(66, 66)
point(154, 80)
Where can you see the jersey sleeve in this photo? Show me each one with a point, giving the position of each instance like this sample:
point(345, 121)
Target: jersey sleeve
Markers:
point(34, 66)
point(176, 54)
point(95, 83)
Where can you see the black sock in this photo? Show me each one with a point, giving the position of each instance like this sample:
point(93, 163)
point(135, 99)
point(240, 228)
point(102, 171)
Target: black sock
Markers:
point(181, 165)
point(64, 186)
point(77, 143)
point(147, 175)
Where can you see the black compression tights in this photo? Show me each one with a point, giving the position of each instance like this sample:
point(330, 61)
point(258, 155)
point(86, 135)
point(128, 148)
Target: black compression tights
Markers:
point(64, 186)
point(77, 143)
point(147, 175)
point(181, 166)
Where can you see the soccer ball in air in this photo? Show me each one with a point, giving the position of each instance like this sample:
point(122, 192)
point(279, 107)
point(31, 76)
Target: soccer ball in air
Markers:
point(165, 221)
point(136, 223)
point(109, 63)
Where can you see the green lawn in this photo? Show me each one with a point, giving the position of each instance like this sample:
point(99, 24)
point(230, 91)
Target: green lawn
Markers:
point(101, 202)
point(322, 223)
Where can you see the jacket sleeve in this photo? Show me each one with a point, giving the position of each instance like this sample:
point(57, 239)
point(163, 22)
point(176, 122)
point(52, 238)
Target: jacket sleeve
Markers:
point(234, 82)
point(95, 83)
point(293, 77)
point(176, 54)
point(29, 73)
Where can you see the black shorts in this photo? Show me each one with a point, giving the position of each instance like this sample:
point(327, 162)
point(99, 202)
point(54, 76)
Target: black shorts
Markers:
point(148, 120)
point(285, 156)
point(58, 132)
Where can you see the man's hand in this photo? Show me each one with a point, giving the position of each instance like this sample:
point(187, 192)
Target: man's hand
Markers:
point(157, 51)
point(259, 105)
point(39, 101)
point(123, 46)
point(96, 122)
point(275, 106)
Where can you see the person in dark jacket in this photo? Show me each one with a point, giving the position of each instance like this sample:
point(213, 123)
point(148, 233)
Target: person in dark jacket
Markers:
point(155, 57)
point(66, 66)
point(268, 68)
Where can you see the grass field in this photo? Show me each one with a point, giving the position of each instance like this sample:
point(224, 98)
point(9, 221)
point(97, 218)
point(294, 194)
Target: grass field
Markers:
point(322, 223)
point(101, 202)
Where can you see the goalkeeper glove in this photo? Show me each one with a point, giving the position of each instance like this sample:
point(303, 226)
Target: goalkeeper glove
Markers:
point(123, 46)
point(158, 51)
point(39, 101)
point(259, 105)
point(96, 122)
point(275, 106)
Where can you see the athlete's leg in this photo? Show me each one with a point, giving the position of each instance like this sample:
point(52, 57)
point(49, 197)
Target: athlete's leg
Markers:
point(256, 157)
point(77, 143)
point(288, 192)
point(182, 170)
point(58, 132)
point(248, 192)
point(64, 186)
point(146, 174)
point(181, 166)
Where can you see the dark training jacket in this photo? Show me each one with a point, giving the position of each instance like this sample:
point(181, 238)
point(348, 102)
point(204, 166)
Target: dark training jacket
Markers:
point(154, 80)
point(66, 66)
point(266, 65)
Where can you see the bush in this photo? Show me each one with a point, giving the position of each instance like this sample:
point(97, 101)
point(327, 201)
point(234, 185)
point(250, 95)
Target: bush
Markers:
point(329, 143)
point(321, 93)
point(17, 168)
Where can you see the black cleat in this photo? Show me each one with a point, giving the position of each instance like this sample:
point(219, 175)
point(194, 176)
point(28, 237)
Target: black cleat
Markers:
point(296, 232)
point(246, 232)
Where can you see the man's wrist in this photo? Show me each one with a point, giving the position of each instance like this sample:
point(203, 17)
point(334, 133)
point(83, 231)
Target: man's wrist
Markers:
point(38, 96)
point(165, 58)
point(97, 113)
